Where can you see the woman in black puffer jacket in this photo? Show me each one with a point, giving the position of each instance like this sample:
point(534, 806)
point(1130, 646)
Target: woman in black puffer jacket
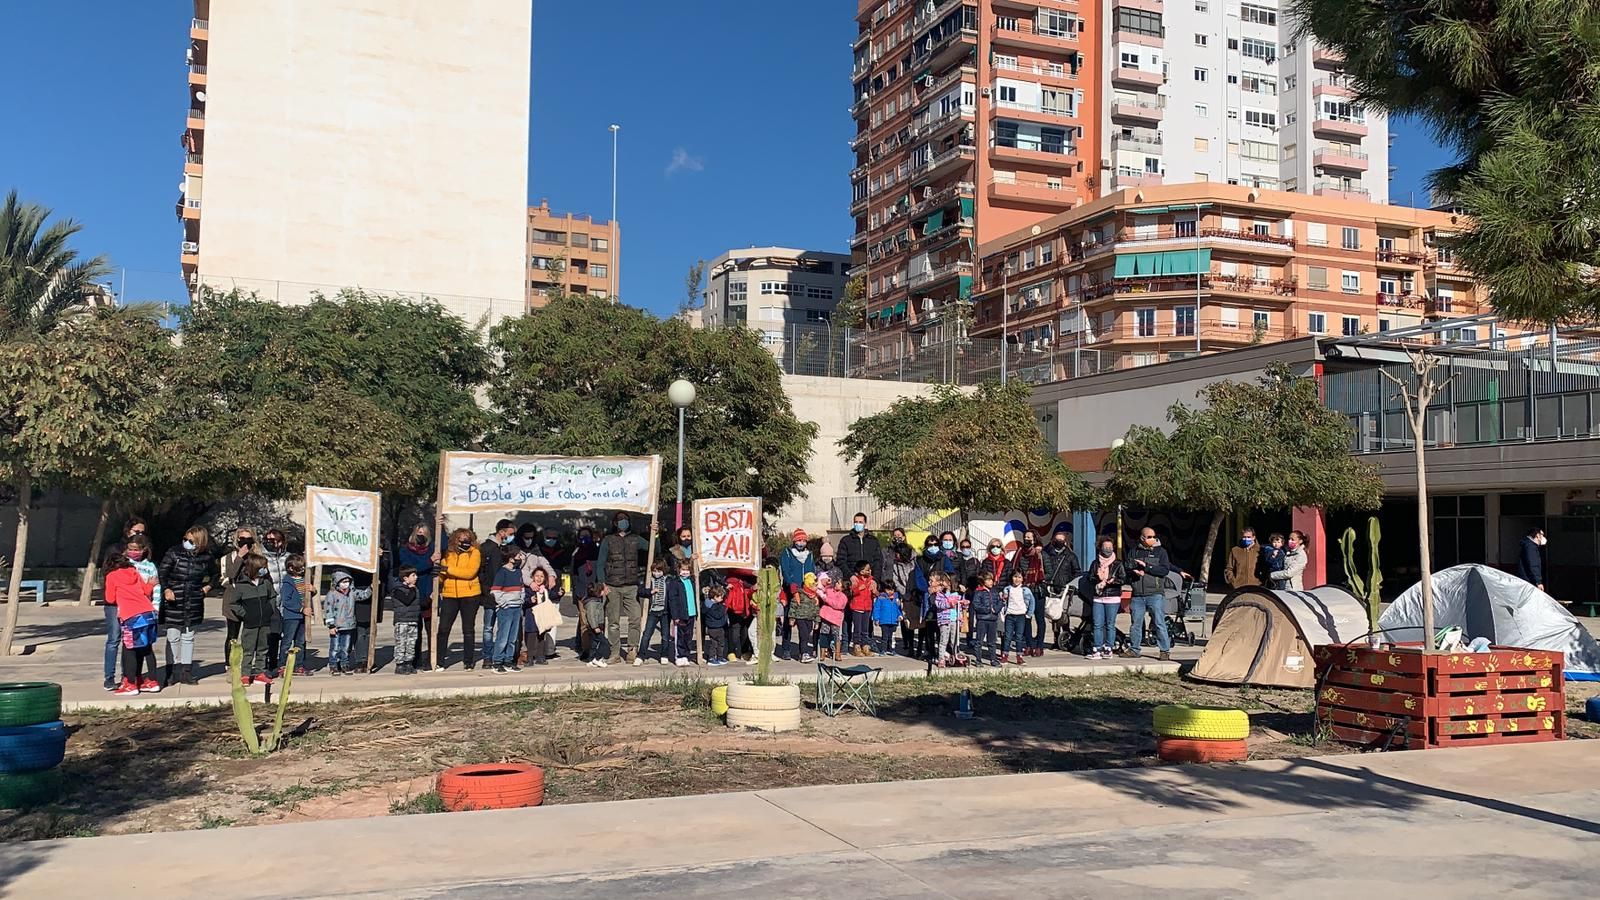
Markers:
point(188, 575)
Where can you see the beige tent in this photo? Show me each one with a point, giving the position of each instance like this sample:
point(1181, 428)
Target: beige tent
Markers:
point(1264, 637)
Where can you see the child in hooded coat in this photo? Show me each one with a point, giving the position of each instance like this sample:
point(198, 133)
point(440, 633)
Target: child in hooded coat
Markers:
point(339, 614)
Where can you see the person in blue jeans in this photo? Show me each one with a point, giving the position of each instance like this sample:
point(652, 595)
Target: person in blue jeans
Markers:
point(292, 602)
point(1147, 567)
point(339, 614)
point(1102, 588)
point(506, 594)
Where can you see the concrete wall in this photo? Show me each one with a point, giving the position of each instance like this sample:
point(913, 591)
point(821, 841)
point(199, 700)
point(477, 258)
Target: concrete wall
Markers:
point(833, 404)
point(372, 143)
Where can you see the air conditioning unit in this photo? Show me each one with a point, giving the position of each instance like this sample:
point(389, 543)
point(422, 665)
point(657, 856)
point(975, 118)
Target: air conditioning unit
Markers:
point(985, 92)
point(927, 81)
point(927, 192)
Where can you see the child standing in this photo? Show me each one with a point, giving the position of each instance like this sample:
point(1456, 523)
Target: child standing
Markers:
point(804, 609)
point(986, 611)
point(949, 605)
point(407, 619)
point(656, 618)
point(130, 592)
point(1018, 601)
point(538, 595)
point(594, 622)
point(506, 593)
point(292, 601)
point(1273, 556)
point(862, 591)
point(831, 633)
point(741, 612)
point(886, 614)
point(715, 623)
point(339, 614)
point(683, 608)
point(252, 602)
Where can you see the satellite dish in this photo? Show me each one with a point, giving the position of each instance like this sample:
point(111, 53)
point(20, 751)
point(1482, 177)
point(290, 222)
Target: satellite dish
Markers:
point(1035, 231)
point(183, 187)
point(200, 95)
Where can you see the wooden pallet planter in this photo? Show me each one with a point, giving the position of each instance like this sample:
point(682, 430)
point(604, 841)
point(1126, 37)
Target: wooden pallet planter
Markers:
point(1399, 698)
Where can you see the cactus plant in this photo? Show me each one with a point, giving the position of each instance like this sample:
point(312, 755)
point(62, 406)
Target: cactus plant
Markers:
point(1368, 588)
point(283, 699)
point(768, 583)
point(242, 713)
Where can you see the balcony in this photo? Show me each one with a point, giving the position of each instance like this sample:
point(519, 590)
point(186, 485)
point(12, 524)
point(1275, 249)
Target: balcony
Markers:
point(197, 118)
point(940, 274)
point(1147, 111)
point(1047, 72)
point(926, 18)
point(942, 198)
point(197, 75)
point(1339, 128)
point(199, 29)
point(1055, 156)
point(1138, 79)
point(1387, 300)
point(1340, 191)
point(1340, 158)
point(189, 208)
point(858, 239)
point(1323, 58)
point(937, 123)
point(193, 164)
point(1124, 180)
point(1337, 86)
point(945, 161)
point(1402, 257)
point(1030, 191)
point(1250, 285)
point(1029, 112)
point(948, 80)
point(189, 253)
point(858, 205)
point(1137, 143)
point(859, 109)
point(949, 50)
point(1024, 33)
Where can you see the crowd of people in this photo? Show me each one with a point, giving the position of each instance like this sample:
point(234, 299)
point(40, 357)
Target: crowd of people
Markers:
point(949, 602)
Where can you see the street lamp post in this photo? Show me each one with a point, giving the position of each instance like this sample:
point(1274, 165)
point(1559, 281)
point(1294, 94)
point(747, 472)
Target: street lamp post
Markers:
point(1117, 445)
point(616, 246)
point(681, 393)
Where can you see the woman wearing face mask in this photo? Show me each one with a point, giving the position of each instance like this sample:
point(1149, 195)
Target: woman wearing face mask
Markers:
point(921, 631)
point(1294, 564)
point(952, 555)
point(793, 566)
point(188, 575)
point(682, 549)
point(1102, 587)
point(461, 594)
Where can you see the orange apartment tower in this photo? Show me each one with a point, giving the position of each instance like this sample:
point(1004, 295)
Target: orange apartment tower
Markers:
point(974, 119)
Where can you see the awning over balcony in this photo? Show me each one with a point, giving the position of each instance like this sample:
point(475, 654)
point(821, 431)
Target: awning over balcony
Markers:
point(1171, 262)
point(967, 206)
point(935, 222)
point(965, 288)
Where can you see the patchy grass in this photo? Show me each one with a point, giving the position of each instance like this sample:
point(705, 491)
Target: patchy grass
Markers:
point(421, 804)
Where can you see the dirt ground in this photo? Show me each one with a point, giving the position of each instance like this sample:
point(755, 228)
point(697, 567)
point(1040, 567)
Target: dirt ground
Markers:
point(172, 769)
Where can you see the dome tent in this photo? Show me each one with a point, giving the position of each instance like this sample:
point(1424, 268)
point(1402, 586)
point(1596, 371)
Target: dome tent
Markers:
point(1265, 637)
point(1486, 602)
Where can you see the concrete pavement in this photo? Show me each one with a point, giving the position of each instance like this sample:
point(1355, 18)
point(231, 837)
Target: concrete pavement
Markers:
point(1484, 822)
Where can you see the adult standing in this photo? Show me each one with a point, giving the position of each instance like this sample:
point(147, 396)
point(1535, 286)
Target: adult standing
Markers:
point(275, 550)
point(583, 564)
point(620, 563)
point(793, 567)
point(894, 552)
point(134, 526)
point(1290, 577)
point(682, 549)
point(1244, 561)
point(188, 576)
point(1102, 589)
point(860, 545)
point(529, 544)
point(1147, 567)
point(418, 553)
point(1058, 569)
point(231, 568)
point(461, 593)
point(491, 556)
point(1530, 559)
point(919, 612)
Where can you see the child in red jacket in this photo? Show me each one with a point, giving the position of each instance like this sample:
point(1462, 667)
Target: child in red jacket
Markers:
point(863, 589)
point(129, 591)
point(741, 607)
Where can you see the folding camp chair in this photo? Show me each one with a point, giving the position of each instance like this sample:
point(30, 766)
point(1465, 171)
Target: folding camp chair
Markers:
point(839, 687)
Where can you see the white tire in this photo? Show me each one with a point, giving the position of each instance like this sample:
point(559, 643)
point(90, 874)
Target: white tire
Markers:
point(763, 697)
point(764, 719)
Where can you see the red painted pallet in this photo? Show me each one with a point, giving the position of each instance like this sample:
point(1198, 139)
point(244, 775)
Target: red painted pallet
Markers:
point(1400, 698)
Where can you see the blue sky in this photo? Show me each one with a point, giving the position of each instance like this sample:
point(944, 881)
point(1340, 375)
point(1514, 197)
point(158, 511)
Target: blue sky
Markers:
point(733, 119)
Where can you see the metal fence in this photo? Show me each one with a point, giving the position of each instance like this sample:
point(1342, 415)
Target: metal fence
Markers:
point(822, 349)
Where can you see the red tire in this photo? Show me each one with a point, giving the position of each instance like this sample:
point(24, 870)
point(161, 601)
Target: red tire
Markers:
point(1192, 751)
point(491, 786)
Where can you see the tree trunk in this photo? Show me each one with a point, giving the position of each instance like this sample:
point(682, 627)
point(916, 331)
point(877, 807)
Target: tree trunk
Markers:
point(1426, 544)
point(24, 485)
point(86, 590)
point(1211, 548)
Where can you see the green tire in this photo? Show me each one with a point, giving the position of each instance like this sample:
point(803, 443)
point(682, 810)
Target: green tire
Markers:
point(30, 789)
point(24, 703)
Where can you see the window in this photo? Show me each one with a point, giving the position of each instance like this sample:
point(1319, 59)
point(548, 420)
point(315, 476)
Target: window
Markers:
point(1007, 94)
point(1200, 40)
point(1052, 23)
point(1317, 278)
point(1261, 118)
point(1138, 21)
point(1350, 238)
point(1202, 145)
point(599, 271)
point(542, 236)
point(1289, 81)
point(1384, 325)
point(1350, 282)
point(1258, 15)
point(738, 291)
point(602, 244)
point(580, 240)
point(1317, 323)
point(1350, 326)
point(1130, 60)
point(1144, 323)
point(540, 262)
point(1184, 228)
point(1183, 321)
point(1255, 48)
point(1261, 229)
point(1252, 83)
point(1289, 151)
point(1201, 111)
point(1201, 6)
point(818, 293)
point(1259, 150)
point(1317, 234)
point(1051, 101)
point(1260, 320)
point(1201, 74)
point(1342, 111)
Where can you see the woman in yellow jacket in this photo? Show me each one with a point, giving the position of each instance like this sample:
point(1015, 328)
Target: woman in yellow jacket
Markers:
point(461, 594)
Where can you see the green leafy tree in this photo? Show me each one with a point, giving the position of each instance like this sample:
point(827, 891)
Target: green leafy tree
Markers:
point(975, 452)
point(74, 410)
point(1512, 89)
point(588, 376)
point(1264, 445)
point(851, 312)
point(693, 288)
point(42, 280)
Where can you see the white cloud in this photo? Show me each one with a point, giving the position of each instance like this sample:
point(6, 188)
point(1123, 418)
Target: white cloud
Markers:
point(683, 162)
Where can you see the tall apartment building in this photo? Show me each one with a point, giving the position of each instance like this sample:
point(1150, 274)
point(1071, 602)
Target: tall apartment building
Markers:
point(774, 290)
point(571, 251)
point(1167, 271)
point(359, 143)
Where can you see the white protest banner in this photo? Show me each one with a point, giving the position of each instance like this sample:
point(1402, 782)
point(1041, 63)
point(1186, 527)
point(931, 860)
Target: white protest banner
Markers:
point(492, 482)
point(342, 528)
point(728, 533)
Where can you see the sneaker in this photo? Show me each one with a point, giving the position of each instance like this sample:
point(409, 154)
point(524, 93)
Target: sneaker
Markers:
point(1166, 656)
point(111, 683)
point(808, 658)
point(335, 671)
point(247, 680)
point(438, 668)
point(128, 688)
point(499, 670)
point(590, 664)
point(300, 672)
point(663, 660)
point(263, 679)
point(601, 663)
point(681, 663)
point(637, 661)
point(540, 662)
point(149, 686)
point(750, 660)
point(516, 667)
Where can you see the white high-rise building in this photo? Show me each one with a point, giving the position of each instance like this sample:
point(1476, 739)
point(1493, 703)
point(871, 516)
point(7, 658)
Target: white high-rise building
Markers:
point(1220, 90)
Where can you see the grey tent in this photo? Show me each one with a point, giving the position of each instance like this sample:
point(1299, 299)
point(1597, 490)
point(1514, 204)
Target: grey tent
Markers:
point(1265, 637)
point(1486, 602)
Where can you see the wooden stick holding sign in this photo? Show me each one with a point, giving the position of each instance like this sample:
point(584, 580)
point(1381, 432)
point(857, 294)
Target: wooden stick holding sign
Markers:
point(727, 535)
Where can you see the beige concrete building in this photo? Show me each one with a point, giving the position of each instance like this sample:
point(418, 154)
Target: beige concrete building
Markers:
point(572, 252)
point(344, 143)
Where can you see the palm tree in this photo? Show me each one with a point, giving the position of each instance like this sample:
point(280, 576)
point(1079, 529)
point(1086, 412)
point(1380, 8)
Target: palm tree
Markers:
point(42, 280)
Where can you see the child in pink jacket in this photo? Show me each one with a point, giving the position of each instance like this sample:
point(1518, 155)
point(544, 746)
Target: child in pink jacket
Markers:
point(832, 614)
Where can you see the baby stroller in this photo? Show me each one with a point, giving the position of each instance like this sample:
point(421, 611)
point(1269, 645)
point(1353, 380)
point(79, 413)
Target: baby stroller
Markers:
point(1185, 603)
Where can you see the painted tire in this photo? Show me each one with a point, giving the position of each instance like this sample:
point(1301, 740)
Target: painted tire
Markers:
point(1184, 750)
point(32, 748)
point(29, 789)
point(491, 786)
point(29, 703)
point(764, 719)
point(763, 697)
point(1203, 723)
point(1591, 708)
point(719, 699)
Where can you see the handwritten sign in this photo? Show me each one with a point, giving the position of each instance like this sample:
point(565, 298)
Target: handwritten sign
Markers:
point(728, 533)
point(342, 528)
point(480, 482)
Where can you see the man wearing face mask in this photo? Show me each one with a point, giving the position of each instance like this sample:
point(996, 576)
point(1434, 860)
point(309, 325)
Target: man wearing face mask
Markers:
point(1530, 557)
point(583, 557)
point(620, 563)
point(1058, 568)
point(493, 555)
point(860, 545)
point(1244, 561)
point(1147, 567)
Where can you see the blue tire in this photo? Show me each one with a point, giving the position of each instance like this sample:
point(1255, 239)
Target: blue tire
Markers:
point(1592, 709)
point(32, 748)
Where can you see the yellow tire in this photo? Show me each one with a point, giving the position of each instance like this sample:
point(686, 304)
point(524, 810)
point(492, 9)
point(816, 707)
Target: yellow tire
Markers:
point(719, 699)
point(1201, 723)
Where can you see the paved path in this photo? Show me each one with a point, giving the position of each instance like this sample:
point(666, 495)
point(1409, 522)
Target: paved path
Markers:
point(1485, 822)
point(64, 643)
